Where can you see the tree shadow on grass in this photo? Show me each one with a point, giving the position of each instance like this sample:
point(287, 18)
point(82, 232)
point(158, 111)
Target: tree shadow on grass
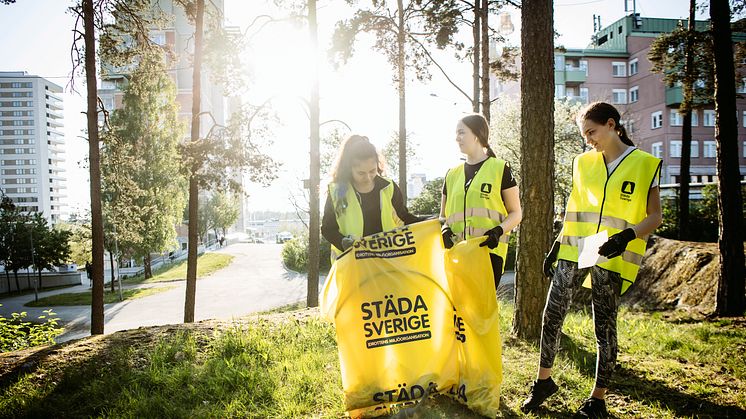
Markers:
point(629, 384)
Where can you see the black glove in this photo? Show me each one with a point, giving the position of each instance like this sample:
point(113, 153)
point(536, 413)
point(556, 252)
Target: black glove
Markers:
point(347, 242)
point(549, 260)
point(617, 243)
point(447, 234)
point(493, 237)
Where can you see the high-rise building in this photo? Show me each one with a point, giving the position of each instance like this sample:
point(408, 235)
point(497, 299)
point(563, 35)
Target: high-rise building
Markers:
point(32, 144)
point(177, 35)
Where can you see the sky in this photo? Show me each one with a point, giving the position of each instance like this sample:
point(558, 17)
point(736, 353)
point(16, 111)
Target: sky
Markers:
point(37, 35)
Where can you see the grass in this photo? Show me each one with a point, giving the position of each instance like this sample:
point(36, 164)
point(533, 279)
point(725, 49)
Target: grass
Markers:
point(84, 298)
point(284, 365)
point(31, 291)
point(206, 265)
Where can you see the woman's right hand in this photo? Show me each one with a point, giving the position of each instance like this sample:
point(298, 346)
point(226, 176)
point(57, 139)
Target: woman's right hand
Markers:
point(549, 260)
point(447, 234)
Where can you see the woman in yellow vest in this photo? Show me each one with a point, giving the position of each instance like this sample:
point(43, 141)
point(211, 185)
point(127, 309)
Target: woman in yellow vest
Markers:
point(480, 197)
point(614, 190)
point(360, 201)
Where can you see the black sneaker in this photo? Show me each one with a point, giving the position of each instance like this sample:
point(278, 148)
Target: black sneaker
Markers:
point(540, 391)
point(592, 408)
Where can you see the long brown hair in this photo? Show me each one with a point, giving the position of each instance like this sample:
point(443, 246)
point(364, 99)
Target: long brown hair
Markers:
point(600, 113)
point(353, 148)
point(481, 129)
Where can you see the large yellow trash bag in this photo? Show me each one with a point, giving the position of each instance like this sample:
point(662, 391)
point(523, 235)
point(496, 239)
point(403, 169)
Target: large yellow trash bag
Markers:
point(477, 323)
point(389, 301)
point(401, 328)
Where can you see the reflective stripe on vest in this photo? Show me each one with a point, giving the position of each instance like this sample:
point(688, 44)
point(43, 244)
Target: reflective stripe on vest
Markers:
point(615, 202)
point(350, 220)
point(473, 212)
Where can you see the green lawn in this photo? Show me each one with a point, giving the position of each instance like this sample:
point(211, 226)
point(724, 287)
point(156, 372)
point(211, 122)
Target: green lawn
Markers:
point(84, 298)
point(284, 365)
point(206, 264)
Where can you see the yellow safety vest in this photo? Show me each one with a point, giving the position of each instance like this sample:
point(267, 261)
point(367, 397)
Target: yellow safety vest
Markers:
point(350, 219)
point(472, 212)
point(613, 202)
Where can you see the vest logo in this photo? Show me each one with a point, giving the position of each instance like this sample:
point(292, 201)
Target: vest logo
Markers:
point(628, 188)
point(486, 188)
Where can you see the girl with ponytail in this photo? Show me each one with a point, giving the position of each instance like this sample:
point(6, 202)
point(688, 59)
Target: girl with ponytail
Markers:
point(480, 197)
point(614, 193)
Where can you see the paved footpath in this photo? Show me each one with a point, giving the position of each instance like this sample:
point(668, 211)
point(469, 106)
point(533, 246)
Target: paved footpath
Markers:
point(254, 281)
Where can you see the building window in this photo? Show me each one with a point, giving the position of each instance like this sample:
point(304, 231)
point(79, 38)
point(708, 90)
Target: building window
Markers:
point(584, 94)
point(633, 69)
point(709, 150)
point(744, 119)
point(695, 117)
point(619, 96)
point(709, 119)
point(674, 149)
point(618, 69)
point(559, 91)
point(741, 87)
point(657, 150)
point(656, 120)
point(694, 149)
point(676, 119)
point(634, 94)
point(584, 66)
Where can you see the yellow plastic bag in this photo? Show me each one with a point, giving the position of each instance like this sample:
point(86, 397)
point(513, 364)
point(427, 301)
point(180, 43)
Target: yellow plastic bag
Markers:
point(400, 327)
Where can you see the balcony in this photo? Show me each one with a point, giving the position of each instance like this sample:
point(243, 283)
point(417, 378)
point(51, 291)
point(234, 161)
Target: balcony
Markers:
point(51, 104)
point(576, 75)
point(577, 99)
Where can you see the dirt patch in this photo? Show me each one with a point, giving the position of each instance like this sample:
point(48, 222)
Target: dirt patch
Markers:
point(676, 275)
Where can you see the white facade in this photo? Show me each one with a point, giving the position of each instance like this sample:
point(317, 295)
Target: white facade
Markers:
point(32, 144)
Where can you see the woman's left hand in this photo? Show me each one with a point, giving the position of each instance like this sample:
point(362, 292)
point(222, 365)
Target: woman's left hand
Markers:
point(493, 237)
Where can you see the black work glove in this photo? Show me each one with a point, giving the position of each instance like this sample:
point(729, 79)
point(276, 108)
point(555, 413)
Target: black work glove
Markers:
point(447, 234)
point(617, 243)
point(493, 237)
point(347, 242)
point(549, 260)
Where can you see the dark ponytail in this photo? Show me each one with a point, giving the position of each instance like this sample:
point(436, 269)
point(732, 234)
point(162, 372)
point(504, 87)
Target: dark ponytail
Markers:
point(600, 113)
point(481, 129)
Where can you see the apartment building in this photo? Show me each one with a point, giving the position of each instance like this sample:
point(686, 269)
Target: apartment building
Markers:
point(32, 144)
point(615, 68)
point(177, 36)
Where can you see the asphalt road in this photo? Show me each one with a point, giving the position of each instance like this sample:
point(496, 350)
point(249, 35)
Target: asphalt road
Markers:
point(255, 281)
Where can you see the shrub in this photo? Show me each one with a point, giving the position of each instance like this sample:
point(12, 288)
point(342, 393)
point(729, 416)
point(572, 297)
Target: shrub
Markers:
point(15, 333)
point(295, 254)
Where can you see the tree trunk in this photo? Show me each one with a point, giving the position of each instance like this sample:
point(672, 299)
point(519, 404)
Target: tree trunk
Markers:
point(537, 158)
point(314, 241)
point(686, 132)
point(147, 262)
point(730, 295)
point(402, 103)
point(485, 44)
point(18, 284)
point(97, 224)
point(476, 33)
point(7, 277)
point(39, 285)
point(191, 280)
point(111, 265)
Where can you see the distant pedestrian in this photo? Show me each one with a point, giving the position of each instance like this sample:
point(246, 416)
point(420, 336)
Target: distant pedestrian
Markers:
point(222, 241)
point(88, 270)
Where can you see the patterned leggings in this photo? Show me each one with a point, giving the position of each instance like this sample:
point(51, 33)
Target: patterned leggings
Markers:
point(606, 290)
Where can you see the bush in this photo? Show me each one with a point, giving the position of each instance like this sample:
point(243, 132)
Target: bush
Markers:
point(702, 213)
point(15, 333)
point(295, 254)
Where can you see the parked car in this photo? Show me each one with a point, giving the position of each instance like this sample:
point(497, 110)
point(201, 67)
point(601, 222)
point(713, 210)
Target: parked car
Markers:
point(284, 236)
